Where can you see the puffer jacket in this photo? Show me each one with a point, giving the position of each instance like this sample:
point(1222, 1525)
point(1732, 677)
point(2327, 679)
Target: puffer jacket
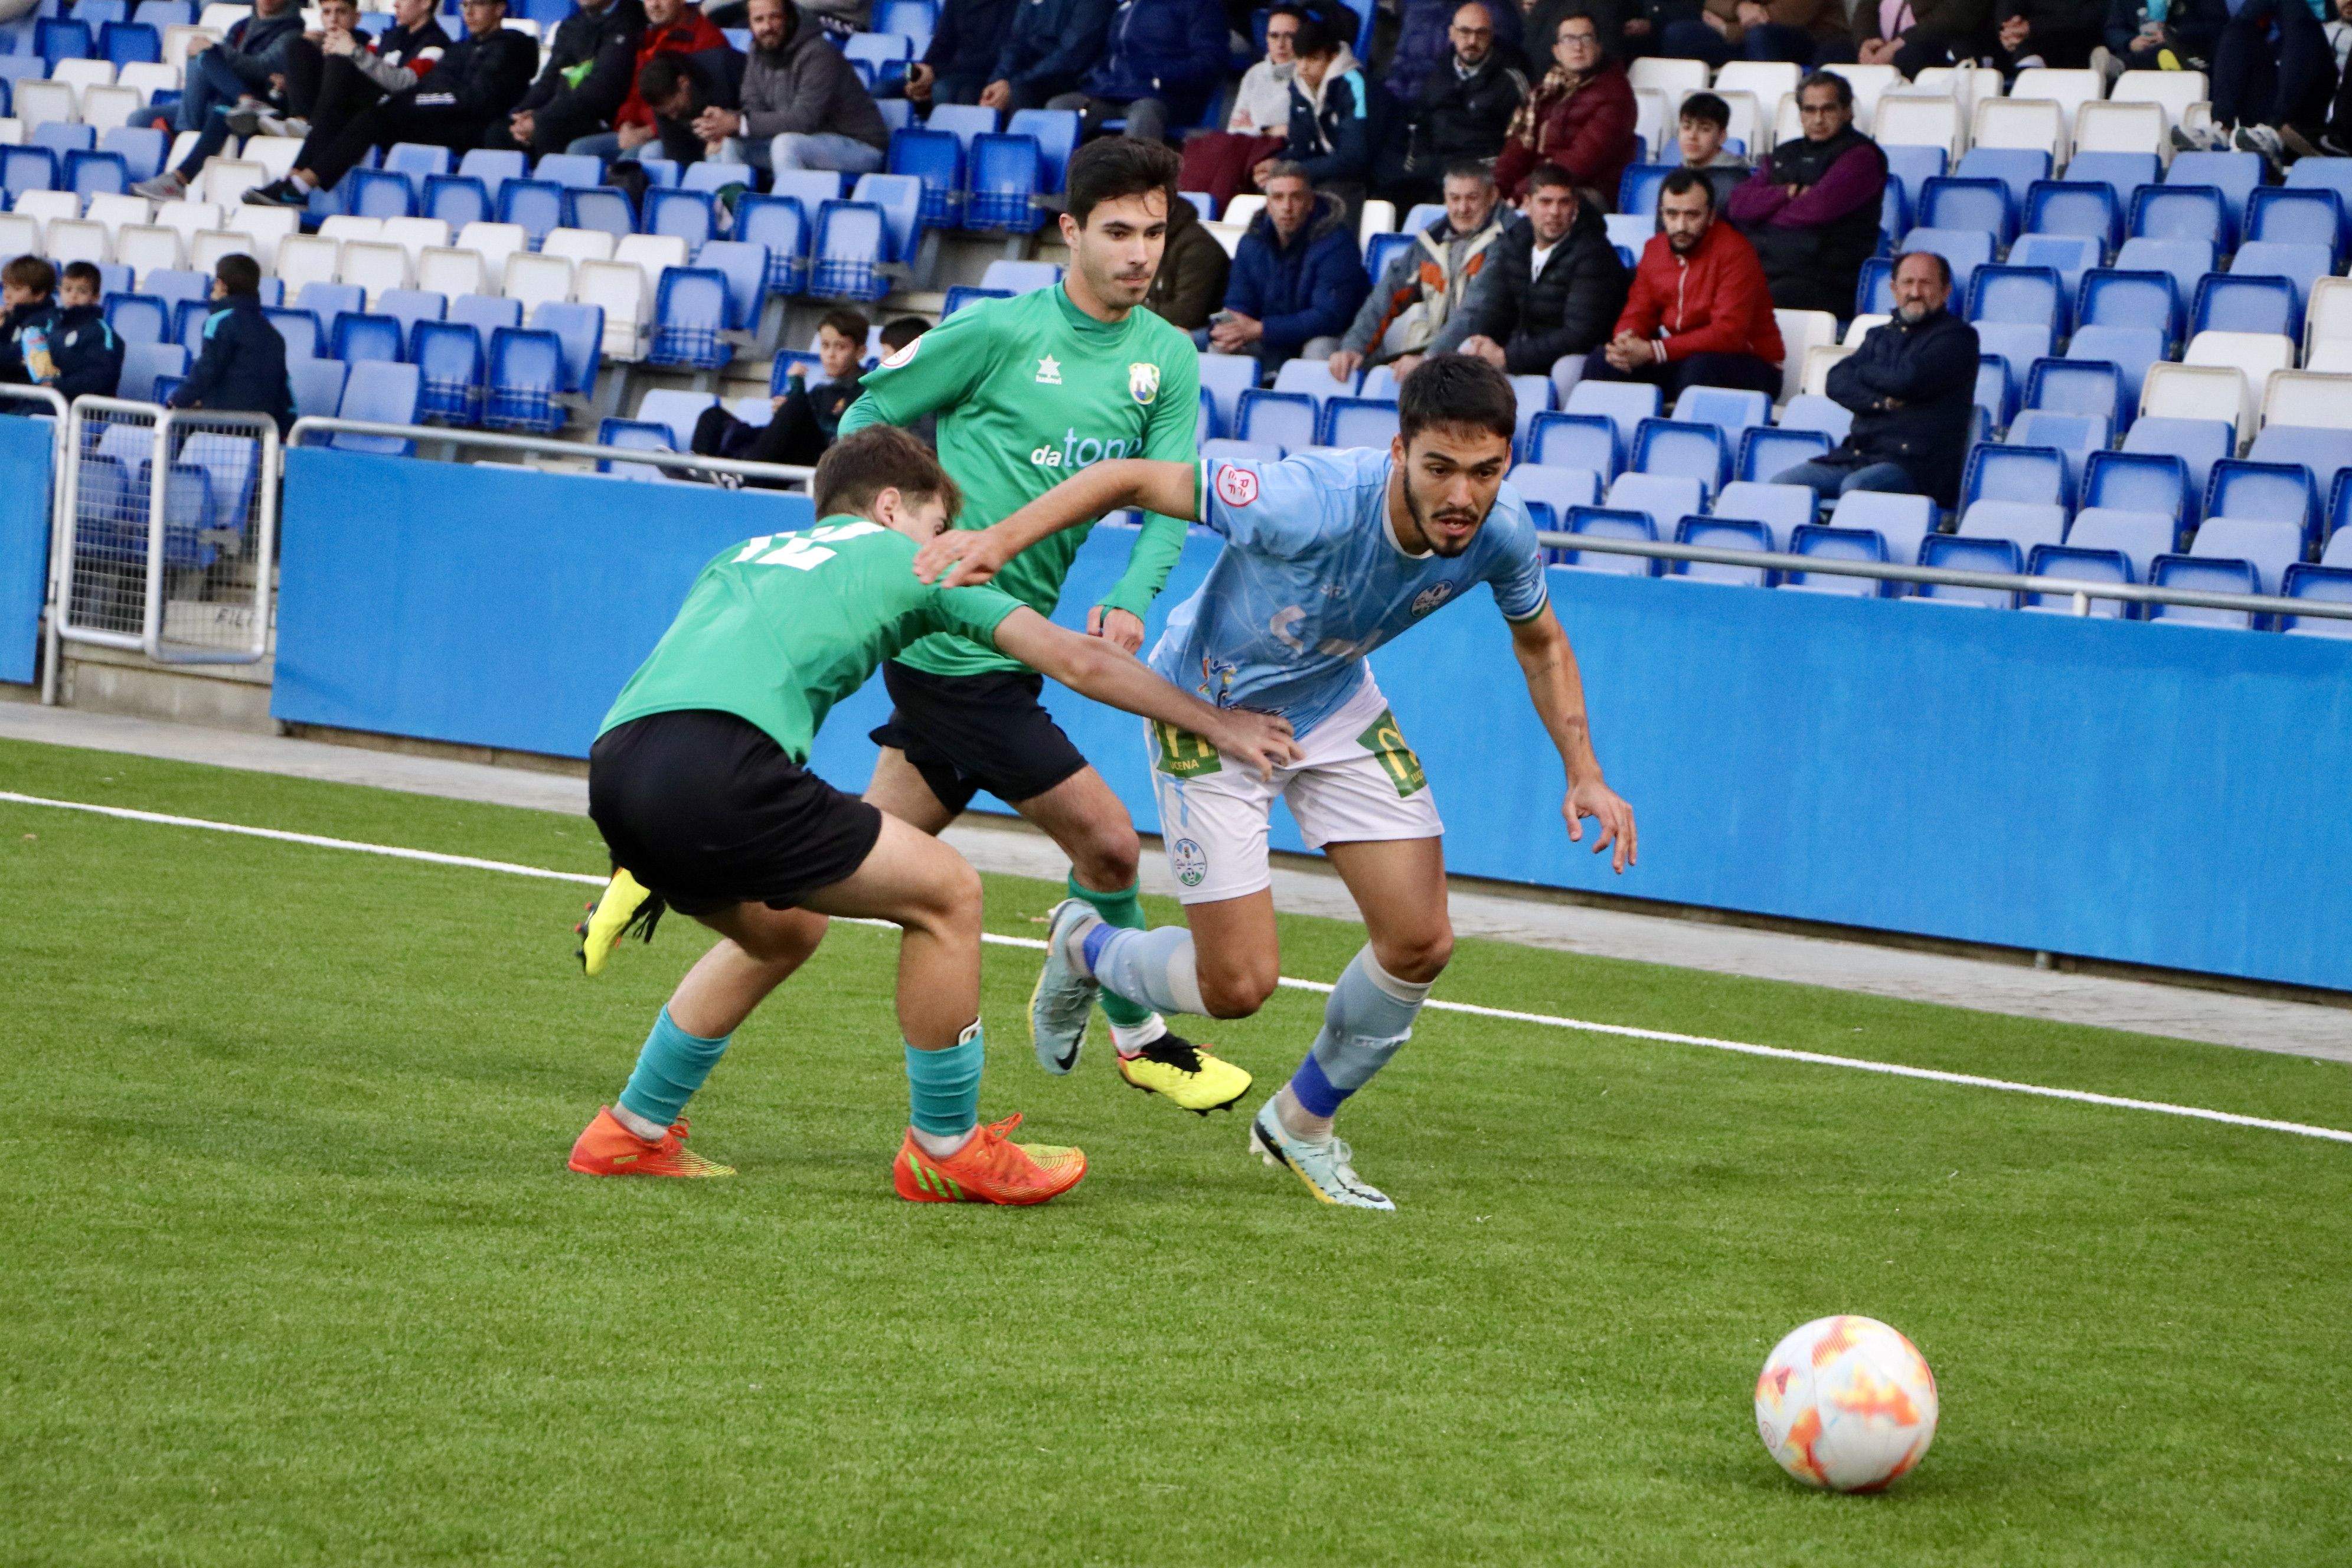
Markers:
point(1193, 271)
point(591, 63)
point(1568, 308)
point(1588, 131)
point(1052, 45)
point(810, 88)
point(1712, 301)
point(1173, 51)
point(1930, 370)
point(1307, 288)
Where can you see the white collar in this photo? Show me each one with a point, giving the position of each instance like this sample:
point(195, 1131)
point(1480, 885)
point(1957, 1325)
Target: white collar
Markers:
point(1388, 523)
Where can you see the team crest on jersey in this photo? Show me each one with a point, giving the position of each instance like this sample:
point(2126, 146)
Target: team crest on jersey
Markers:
point(1143, 381)
point(1429, 598)
point(1237, 487)
point(903, 354)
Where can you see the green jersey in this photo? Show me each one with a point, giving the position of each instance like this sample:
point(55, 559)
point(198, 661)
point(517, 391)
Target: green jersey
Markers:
point(779, 629)
point(1028, 391)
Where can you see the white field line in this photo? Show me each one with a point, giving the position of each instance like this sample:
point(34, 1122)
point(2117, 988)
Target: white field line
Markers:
point(1621, 1031)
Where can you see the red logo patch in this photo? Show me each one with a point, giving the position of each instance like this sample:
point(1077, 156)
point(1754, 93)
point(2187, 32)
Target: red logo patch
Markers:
point(1238, 487)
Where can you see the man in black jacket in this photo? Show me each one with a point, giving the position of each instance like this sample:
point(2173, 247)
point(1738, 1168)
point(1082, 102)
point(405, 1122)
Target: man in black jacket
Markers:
point(962, 56)
point(592, 63)
point(1463, 110)
point(332, 82)
point(243, 366)
point(1550, 291)
point(477, 80)
point(1912, 385)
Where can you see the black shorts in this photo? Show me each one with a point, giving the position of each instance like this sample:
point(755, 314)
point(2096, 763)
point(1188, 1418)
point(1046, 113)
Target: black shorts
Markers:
point(705, 810)
point(966, 733)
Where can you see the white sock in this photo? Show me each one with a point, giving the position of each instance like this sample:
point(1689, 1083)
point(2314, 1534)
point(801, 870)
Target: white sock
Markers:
point(651, 1132)
point(941, 1146)
point(1298, 1121)
point(1130, 1042)
point(299, 183)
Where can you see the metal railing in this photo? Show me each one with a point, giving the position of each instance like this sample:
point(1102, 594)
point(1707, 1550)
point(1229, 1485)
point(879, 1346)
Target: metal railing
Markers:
point(53, 409)
point(165, 531)
point(2082, 593)
point(323, 426)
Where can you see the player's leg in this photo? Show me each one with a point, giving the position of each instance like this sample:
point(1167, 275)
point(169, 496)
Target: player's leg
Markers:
point(898, 788)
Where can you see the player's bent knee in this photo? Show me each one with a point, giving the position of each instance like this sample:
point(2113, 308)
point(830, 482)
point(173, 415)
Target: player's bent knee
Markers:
point(1109, 857)
point(1418, 957)
point(1236, 994)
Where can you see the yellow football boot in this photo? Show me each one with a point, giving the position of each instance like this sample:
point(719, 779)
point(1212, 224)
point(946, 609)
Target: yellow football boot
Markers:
point(1199, 1080)
point(625, 905)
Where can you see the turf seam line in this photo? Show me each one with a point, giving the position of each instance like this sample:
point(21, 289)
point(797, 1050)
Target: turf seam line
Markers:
point(1580, 1026)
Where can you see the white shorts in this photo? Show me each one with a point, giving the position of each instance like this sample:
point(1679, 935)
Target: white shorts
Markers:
point(1357, 781)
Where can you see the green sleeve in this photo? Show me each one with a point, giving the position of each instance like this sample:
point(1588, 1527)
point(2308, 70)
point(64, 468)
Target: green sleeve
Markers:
point(1172, 436)
point(936, 370)
point(975, 613)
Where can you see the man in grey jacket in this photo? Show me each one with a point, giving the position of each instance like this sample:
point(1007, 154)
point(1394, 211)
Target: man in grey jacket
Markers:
point(803, 107)
point(1422, 286)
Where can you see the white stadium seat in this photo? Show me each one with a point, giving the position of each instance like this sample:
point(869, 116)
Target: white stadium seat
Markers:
point(619, 289)
point(2037, 123)
point(1800, 333)
point(578, 245)
point(305, 258)
point(76, 239)
point(536, 279)
point(226, 180)
point(267, 228)
point(2105, 127)
point(1922, 120)
point(2308, 398)
point(416, 236)
point(149, 248)
point(493, 242)
point(1870, 83)
point(373, 266)
point(451, 272)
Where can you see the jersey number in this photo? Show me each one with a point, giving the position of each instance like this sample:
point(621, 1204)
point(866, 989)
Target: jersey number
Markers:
point(803, 551)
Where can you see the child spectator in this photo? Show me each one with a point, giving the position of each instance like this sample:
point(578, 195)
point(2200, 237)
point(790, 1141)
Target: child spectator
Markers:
point(52, 336)
point(1706, 120)
point(804, 418)
point(243, 366)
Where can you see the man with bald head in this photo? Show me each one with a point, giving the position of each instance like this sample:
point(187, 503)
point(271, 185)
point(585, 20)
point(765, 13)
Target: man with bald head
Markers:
point(1463, 110)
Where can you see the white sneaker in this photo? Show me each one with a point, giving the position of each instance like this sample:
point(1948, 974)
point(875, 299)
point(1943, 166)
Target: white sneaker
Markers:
point(1326, 1167)
point(1064, 998)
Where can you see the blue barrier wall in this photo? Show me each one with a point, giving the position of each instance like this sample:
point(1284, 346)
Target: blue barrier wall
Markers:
point(24, 457)
point(2157, 795)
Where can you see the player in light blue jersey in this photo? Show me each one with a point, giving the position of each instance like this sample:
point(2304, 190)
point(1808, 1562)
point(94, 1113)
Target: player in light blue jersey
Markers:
point(1328, 556)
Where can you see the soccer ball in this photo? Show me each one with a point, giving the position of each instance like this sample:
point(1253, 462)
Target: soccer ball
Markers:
point(1846, 1404)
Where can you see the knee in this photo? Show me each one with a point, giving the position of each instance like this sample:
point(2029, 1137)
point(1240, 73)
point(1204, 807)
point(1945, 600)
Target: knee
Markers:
point(1236, 992)
point(784, 152)
point(786, 944)
point(1106, 855)
point(1419, 957)
point(955, 904)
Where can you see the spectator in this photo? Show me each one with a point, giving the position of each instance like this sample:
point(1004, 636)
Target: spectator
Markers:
point(1699, 313)
point(1463, 110)
point(2274, 77)
point(237, 73)
point(802, 421)
point(476, 82)
point(2059, 33)
point(1912, 35)
point(293, 89)
point(1794, 31)
point(347, 73)
point(1581, 119)
point(1221, 161)
point(2141, 33)
point(1427, 39)
point(1912, 385)
point(1050, 46)
point(1422, 290)
point(672, 27)
point(592, 66)
point(682, 91)
point(88, 355)
point(53, 336)
point(1628, 28)
point(1700, 131)
point(1549, 292)
point(1193, 271)
point(1811, 209)
point(2337, 140)
point(962, 56)
point(1166, 57)
point(1298, 278)
point(1335, 117)
point(803, 107)
point(243, 366)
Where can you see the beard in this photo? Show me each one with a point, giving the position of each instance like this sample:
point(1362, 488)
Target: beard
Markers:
point(1439, 545)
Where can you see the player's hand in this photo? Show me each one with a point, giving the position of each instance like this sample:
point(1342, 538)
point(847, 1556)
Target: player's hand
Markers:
point(960, 558)
point(1597, 800)
point(1116, 626)
point(1259, 742)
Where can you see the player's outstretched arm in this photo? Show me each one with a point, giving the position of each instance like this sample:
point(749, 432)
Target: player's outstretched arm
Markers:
point(1557, 689)
point(1086, 665)
point(975, 556)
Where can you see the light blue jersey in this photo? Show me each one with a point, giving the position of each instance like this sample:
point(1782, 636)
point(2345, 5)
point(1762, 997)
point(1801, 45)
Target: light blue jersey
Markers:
point(1311, 581)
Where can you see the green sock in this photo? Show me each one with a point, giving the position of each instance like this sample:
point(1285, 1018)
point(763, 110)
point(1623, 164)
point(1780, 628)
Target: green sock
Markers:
point(1125, 910)
point(943, 1087)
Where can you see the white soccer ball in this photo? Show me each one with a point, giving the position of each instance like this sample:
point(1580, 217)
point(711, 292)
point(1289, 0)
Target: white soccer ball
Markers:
point(1846, 1404)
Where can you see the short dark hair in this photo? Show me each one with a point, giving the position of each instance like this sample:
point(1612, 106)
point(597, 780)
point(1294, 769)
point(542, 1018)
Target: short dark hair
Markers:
point(1315, 36)
point(1943, 263)
point(1579, 13)
point(1550, 174)
point(30, 272)
point(857, 467)
point(1707, 110)
point(238, 273)
point(1115, 166)
point(1458, 390)
point(904, 331)
point(1683, 180)
point(1471, 169)
point(1831, 80)
point(85, 272)
point(848, 323)
point(659, 81)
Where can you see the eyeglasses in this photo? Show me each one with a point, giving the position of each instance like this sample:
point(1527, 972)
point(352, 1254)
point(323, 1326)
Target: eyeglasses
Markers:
point(1472, 32)
point(1581, 40)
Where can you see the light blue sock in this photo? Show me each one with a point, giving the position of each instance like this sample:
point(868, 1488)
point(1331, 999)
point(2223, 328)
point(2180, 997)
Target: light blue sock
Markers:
point(943, 1087)
point(669, 1069)
point(1153, 968)
point(1369, 1015)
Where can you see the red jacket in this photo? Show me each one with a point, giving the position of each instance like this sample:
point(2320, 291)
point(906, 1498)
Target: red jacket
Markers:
point(1589, 132)
point(691, 34)
point(1712, 301)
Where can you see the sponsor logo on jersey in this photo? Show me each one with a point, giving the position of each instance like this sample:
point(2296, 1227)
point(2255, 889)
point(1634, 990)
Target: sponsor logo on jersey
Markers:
point(1049, 370)
point(1236, 487)
point(1190, 860)
point(1143, 381)
point(1429, 598)
point(903, 354)
point(1083, 451)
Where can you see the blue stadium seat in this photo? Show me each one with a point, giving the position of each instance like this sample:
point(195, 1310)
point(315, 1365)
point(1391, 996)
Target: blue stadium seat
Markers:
point(810, 187)
point(2198, 443)
point(358, 336)
point(690, 312)
point(1684, 447)
point(2326, 453)
point(2332, 585)
point(714, 179)
point(130, 43)
point(2270, 544)
point(2137, 483)
point(597, 207)
point(2183, 260)
point(851, 250)
point(536, 205)
point(2007, 472)
point(689, 215)
point(2139, 537)
point(2131, 350)
point(448, 358)
point(1006, 172)
point(2323, 174)
point(328, 300)
point(1535, 395)
point(485, 313)
point(2016, 168)
point(493, 169)
point(2023, 523)
point(58, 38)
point(1721, 532)
point(1728, 409)
point(300, 329)
point(140, 148)
point(580, 329)
point(2303, 263)
point(569, 169)
point(745, 268)
point(2217, 575)
point(1823, 542)
point(139, 317)
point(1383, 248)
point(900, 198)
point(524, 381)
point(188, 317)
point(936, 158)
point(1286, 419)
point(89, 173)
point(2075, 435)
point(2197, 214)
point(1874, 288)
point(1609, 522)
point(2034, 295)
point(639, 435)
point(385, 393)
point(1358, 422)
point(2297, 215)
point(1666, 498)
point(318, 385)
point(1586, 441)
point(1901, 521)
point(1558, 489)
point(1225, 377)
point(1997, 388)
point(780, 224)
point(1637, 188)
point(1056, 131)
point(25, 169)
point(2078, 387)
point(2226, 303)
point(1957, 553)
point(1909, 167)
point(376, 193)
point(142, 364)
point(679, 410)
point(1957, 205)
point(2234, 176)
point(1224, 451)
point(1966, 249)
point(1766, 450)
point(2121, 172)
point(1626, 404)
point(63, 141)
point(1811, 411)
point(2114, 297)
point(2082, 564)
point(2243, 489)
point(457, 200)
point(1779, 509)
point(2086, 208)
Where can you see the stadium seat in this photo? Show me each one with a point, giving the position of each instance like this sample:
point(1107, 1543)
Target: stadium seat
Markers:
point(2233, 174)
point(1721, 532)
point(2082, 564)
point(1966, 249)
point(1815, 413)
point(2140, 536)
point(357, 337)
point(1824, 542)
point(495, 244)
point(1224, 451)
point(640, 435)
point(2032, 295)
point(1924, 122)
point(936, 158)
point(2143, 483)
point(2227, 303)
point(2078, 387)
point(1780, 509)
point(1586, 441)
point(1286, 419)
point(1684, 447)
point(1225, 377)
point(2196, 443)
point(1902, 521)
point(850, 250)
point(524, 379)
point(1056, 134)
point(1664, 499)
point(1311, 378)
point(595, 206)
point(1625, 403)
point(569, 169)
point(579, 245)
point(1969, 553)
point(2017, 170)
point(300, 329)
point(899, 199)
point(1637, 190)
point(2013, 472)
point(690, 314)
point(138, 318)
point(534, 206)
point(493, 169)
point(318, 385)
point(2077, 435)
point(2022, 523)
point(2020, 123)
point(2327, 582)
point(1729, 409)
point(1874, 289)
point(579, 331)
point(2086, 208)
point(1007, 172)
point(1768, 450)
point(2215, 576)
point(1559, 489)
point(745, 268)
point(1358, 422)
point(2269, 544)
point(690, 215)
point(143, 363)
point(2243, 489)
point(781, 224)
point(2131, 350)
point(2196, 215)
point(457, 200)
point(1611, 522)
point(2121, 172)
point(1957, 205)
point(382, 393)
point(2297, 214)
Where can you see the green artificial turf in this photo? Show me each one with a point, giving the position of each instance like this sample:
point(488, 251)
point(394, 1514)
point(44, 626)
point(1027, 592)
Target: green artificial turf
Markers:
point(294, 1274)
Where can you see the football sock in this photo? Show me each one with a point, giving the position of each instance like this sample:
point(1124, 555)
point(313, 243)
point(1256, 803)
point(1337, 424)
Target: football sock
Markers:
point(1125, 911)
point(1369, 1015)
point(669, 1069)
point(299, 182)
point(1153, 968)
point(943, 1092)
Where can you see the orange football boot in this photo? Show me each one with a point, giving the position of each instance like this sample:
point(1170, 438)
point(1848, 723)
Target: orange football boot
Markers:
point(608, 1149)
point(991, 1169)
